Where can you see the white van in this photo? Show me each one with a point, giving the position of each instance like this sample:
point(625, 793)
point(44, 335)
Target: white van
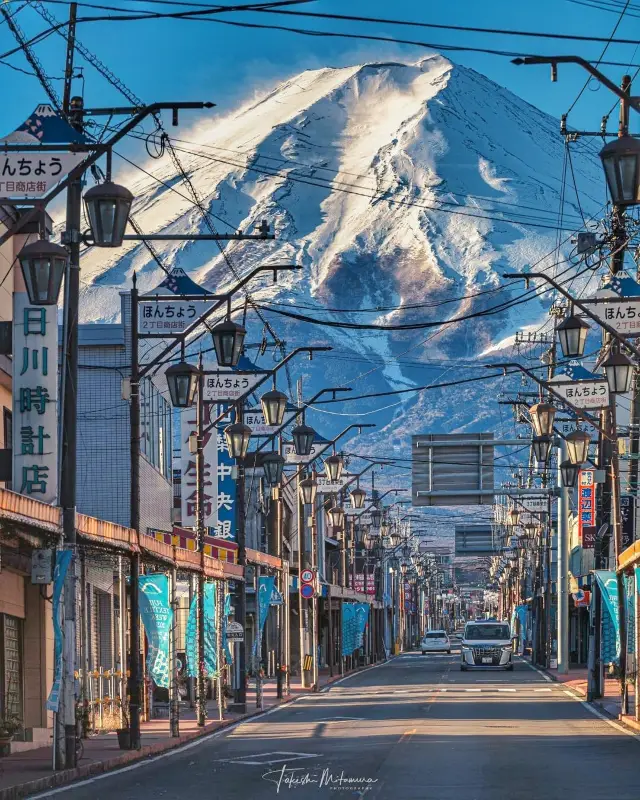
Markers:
point(486, 644)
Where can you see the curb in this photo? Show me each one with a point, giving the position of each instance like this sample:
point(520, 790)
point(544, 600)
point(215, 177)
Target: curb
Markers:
point(67, 776)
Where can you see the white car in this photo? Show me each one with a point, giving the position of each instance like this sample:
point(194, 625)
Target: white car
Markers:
point(435, 642)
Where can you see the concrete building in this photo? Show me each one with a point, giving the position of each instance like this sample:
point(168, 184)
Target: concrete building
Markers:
point(104, 433)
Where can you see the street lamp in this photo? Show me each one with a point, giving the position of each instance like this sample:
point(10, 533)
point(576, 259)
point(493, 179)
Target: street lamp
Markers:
point(303, 437)
point(395, 537)
point(513, 517)
point(569, 474)
point(228, 339)
point(621, 162)
point(108, 206)
point(357, 497)
point(333, 468)
point(43, 266)
point(541, 446)
point(542, 417)
point(274, 404)
point(273, 463)
point(572, 332)
point(308, 488)
point(578, 447)
point(618, 369)
point(238, 436)
point(376, 517)
point(182, 380)
point(336, 517)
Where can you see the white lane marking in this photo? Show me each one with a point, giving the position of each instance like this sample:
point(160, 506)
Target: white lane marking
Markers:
point(588, 706)
point(166, 754)
point(505, 690)
point(472, 690)
point(543, 690)
point(602, 716)
point(258, 759)
point(535, 669)
point(340, 719)
point(361, 672)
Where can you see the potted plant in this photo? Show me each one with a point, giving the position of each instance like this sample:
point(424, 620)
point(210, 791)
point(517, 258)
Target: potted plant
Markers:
point(10, 724)
point(124, 736)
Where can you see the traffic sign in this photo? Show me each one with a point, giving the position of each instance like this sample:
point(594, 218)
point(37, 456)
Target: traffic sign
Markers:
point(307, 591)
point(306, 576)
point(276, 598)
point(235, 632)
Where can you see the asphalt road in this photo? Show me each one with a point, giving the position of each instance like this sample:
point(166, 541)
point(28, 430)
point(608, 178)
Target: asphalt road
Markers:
point(416, 727)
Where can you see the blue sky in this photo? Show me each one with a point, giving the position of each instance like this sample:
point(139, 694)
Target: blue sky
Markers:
point(197, 60)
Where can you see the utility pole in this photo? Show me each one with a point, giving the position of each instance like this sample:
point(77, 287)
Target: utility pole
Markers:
point(201, 683)
point(241, 598)
point(563, 568)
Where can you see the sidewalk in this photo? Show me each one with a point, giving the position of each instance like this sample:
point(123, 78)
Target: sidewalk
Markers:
point(30, 771)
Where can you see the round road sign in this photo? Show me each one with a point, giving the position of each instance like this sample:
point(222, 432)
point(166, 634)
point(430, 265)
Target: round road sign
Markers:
point(306, 590)
point(306, 576)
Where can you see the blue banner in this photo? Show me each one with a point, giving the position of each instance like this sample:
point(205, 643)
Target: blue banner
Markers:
point(225, 642)
point(362, 617)
point(63, 559)
point(608, 583)
point(349, 629)
point(157, 618)
point(266, 584)
point(210, 655)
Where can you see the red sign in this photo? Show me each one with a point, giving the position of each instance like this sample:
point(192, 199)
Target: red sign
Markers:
point(365, 583)
point(586, 501)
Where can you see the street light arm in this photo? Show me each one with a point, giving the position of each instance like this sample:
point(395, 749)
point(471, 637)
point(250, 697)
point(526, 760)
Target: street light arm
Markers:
point(578, 411)
point(585, 310)
point(599, 76)
point(222, 301)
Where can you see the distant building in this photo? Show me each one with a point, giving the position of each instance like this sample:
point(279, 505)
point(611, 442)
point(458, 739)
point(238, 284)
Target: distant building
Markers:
point(104, 432)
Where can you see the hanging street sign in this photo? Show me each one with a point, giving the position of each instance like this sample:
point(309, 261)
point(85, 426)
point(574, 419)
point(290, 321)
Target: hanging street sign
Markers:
point(31, 174)
point(235, 632)
point(254, 418)
point(291, 457)
point(581, 388)
point(325, 486)
point(617, 303)
point(228, 385)
point(168, 317)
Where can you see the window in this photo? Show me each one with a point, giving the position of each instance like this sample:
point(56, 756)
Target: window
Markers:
point(11, 698)
point(436, 635)
point(155, 440)
point(476, 632)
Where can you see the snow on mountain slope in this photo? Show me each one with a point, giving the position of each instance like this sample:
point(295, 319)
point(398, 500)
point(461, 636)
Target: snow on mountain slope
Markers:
point(393, 185)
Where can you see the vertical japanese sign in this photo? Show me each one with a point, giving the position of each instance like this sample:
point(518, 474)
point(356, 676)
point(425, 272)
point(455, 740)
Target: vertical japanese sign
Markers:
point(627, 519)
point(226, 523)
point(586, 503)
point(35, 394)
point(188, 472)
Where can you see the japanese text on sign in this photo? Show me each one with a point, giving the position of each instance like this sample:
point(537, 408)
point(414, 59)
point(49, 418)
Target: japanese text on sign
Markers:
point(586, 501)
point(622, 315)
point(33, 175)
point(221, 387)
point(35, 428)
point(583, 394)
point(169, 317)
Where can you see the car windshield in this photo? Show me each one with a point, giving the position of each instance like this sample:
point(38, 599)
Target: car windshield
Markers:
point(487, 632)
point(435, 635)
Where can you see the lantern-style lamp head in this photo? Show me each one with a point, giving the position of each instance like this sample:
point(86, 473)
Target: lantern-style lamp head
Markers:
point(357, 496)
point(333, 468)
point(303, 438)
point(228, 339)
point(182, 380)
point(108, 206)
point(619, 371)
point(273, 464)
point(238, 436)
point(395, 537)
point(43, 266)
point(542, 417)
point(404, 567)
point(541, 446)
point(621, 162)
point(569, 474)
point(308, 488)
point(336, 517)
point(513, 517)
point(376, 517)
point(578, 447)
point(274, 404)
point(572, 332)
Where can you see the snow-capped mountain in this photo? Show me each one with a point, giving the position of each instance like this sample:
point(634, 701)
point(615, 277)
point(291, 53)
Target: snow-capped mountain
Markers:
point(396, 187)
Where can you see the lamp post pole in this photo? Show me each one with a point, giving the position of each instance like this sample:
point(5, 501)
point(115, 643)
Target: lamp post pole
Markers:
point(201, 683)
